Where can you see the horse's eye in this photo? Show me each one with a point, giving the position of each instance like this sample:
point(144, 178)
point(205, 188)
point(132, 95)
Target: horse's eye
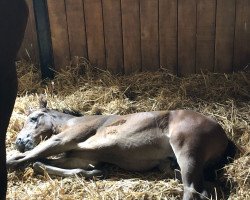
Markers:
point(33, 119)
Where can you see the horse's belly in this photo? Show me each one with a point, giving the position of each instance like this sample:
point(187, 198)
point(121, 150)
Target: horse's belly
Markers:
point(142, 153)
point(130, 149)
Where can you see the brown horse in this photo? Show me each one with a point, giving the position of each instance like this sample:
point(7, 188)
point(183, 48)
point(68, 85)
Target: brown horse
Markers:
point(136, 142)
point(13, 19)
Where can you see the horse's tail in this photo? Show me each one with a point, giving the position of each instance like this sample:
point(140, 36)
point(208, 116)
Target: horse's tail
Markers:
point(232, 151)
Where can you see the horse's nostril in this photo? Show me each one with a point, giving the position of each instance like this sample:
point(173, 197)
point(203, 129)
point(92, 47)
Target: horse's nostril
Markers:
point(18, 140)
point(20, 144)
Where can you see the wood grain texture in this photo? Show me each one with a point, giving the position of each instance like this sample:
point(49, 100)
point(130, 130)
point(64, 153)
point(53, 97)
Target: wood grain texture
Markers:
point(95, 33)
point(205, 35)
point(149, 35)
point(44, 39)
point(127, 36)
point(131, 35)
point(59, 33)
point(224, 42)
point(168, 34)
point(29, 48)
point(186, 37)
point(113, 35)
point(76, 28)
point(242, 35)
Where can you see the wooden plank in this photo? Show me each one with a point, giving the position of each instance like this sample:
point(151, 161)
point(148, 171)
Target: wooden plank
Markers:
point(76, 28)
point(205, 35)
point(29, 47)
point(22, 53)
point(131, 35)
point(59, 33)
point(242, 35)
point(113, 35)
point(224, 42)
point(149, 35)
point(186, 37)
point(44, 38)
point(168, 34)
point(95, 33)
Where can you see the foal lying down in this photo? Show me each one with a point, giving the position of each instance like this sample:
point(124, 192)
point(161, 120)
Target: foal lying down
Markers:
point(136, 142)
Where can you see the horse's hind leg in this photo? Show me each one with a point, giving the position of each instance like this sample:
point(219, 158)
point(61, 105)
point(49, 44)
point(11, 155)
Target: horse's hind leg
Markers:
point(57, 171)
point(192, 177)
point(190, 160)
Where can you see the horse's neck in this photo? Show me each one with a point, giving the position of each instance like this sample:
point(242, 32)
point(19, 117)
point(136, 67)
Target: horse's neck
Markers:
point(75, 121)
point(61, 120)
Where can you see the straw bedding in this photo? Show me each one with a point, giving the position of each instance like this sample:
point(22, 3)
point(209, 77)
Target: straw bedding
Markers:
point(92, 91)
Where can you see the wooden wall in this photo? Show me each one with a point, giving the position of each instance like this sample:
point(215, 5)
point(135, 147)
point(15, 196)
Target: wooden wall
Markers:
point(127, 36)
point(29, 49)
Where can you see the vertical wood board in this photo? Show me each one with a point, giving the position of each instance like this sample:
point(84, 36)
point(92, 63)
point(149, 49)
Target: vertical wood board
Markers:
point(44, 38)
point(113, 35)
point(95, 34)
point(29, 47)
point(205, 35)
point(131, 35)
point(186, 37)
point(59, 33)
point(242, 35)
point(224, 41)
point(76, 28)
point(168, 34)
point(149, 16)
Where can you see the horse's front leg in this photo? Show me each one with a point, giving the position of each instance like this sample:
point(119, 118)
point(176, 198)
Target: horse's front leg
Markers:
point(8, 90)
point(70, 166)
point(53, 146)
point(13, 19)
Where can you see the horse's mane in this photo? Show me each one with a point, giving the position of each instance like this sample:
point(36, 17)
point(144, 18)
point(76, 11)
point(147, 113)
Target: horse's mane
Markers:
point(70, 112)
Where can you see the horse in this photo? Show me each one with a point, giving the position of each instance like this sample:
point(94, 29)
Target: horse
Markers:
point(13, 19)
point(136, 142)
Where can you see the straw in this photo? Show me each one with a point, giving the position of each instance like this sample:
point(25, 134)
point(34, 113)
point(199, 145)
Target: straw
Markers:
point(92, 91)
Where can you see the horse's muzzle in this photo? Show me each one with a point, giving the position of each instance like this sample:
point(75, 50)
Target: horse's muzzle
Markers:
point(23, 145)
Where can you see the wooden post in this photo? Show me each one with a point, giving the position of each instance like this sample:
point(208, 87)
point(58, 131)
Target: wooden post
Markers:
point(44, 38)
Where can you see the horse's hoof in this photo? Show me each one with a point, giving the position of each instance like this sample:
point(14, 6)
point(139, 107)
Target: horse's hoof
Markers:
point(39, 167)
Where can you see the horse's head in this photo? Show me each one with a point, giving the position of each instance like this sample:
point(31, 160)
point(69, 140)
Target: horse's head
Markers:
point(38, 126)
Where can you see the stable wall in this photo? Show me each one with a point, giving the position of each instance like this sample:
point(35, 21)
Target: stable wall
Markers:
point(127, 36)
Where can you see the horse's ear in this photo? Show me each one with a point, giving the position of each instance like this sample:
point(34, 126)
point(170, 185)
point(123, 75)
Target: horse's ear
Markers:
point(28, 111)
point(42, 101)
